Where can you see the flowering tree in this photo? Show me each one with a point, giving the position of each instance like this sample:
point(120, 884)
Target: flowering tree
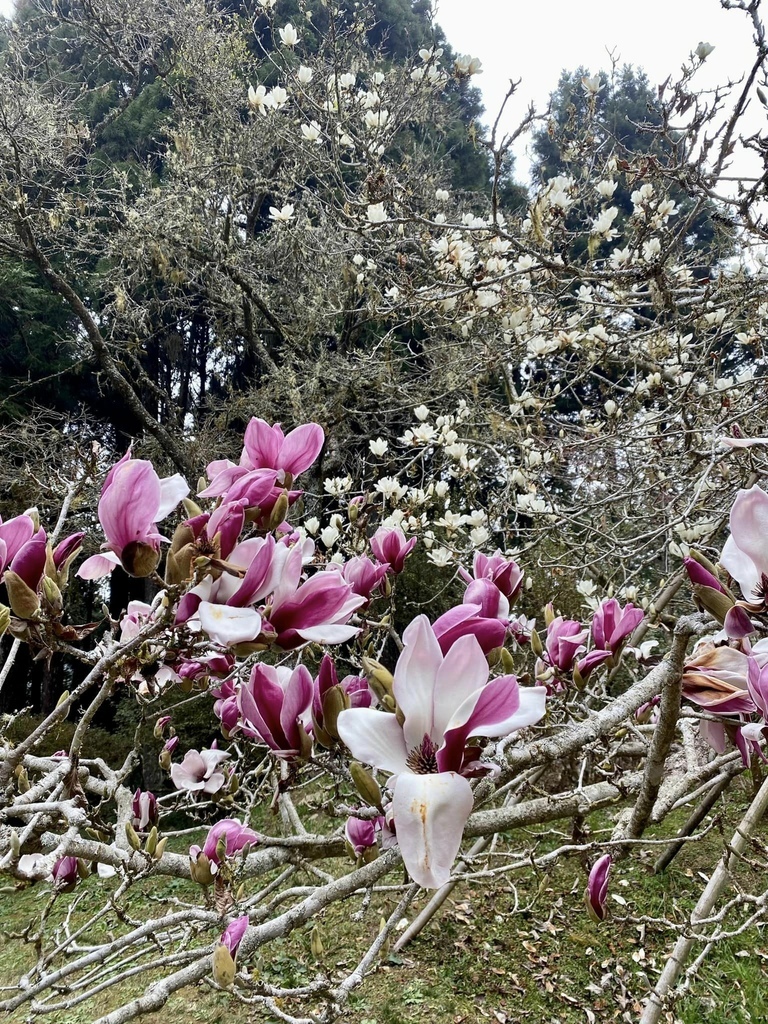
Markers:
point(553, 443)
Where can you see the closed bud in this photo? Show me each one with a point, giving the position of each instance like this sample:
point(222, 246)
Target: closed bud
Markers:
point(200, 870)
point(52, 596)
point(578, 679)
point(160, 848)
point(493, 657)
point(164, 760)
point(334, 702)
point(22, 779)
point(139, 559)
point(178, 564)
point(549, 614)
point(507, 661)
point(133, 840)
point(305, 743)
point(316, 943)
point(536, 645)
point(62, 699)
point(223, 967)
point(151, 844)
point(279, 511)
point(716, 603)
point(82, 868)
point(23, 600)
point(353, 511)
point(221, 849)
point(366, 785)
point(191, 507)
point(182, 536)
point(5, 618)
point(15, 843)
point(379, 678)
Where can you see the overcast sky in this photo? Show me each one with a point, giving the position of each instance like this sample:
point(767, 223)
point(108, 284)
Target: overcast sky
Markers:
point(534, 40)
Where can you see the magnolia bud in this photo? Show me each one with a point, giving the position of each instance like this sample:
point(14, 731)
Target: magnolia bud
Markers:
point(221, 849)
point(34, 515)
point(178, 564)
point(507, 661)
point(379, 678)
point(15, 843)
point(5, 618)
point(133, 839)
point(200, 870)
point(316, 943)
point(151, 844)
point(160, 848)
point(164, 760)
point(549, 614)
point(62, 699)
point(279, 511)
point(52, 596)
point(536, 645)
point(82, 869)
point(23, 600)
point(182, 536)
point(223, 967)
point(713, 601)
point(365, 784)
point(22, 779)
point(334, 702)
point(139, 559)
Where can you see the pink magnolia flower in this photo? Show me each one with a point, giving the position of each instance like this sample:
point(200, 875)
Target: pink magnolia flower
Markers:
point(361, 835)
point(67, 549)
point(612, 624)
point(65, 874)
point(745, 554)
point(133, 500)
point(468, 620)
point(145, 810)
point(444, 700)
point(272, 706)
point(29, 560)
point(565, 641)
point(235, 834)
point(363, 575)
point(390, 546)
point(233, 934)
point(268, 448)
point(597, 887)
point(14, 534)
point(316, 611)
point(715, 678)
point(504, 573)
point(493, 604)
point(199, 771)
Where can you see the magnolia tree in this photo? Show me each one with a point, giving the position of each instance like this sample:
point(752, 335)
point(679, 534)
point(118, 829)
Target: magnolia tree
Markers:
point(557, 420)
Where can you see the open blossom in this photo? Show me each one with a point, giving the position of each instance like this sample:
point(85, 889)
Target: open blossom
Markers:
point(14, 534)
point(376, 213)
point(745, 554)
point(199, 771)
point(65, 874)
point(503, 572)
point(230, 834)
point(565, 640)
point(288, 35)
point(133, 500)
point(467, 619)
point(272, 706)
point(445, 700)
point(285, 212)
point(257, 99)
point(612, 624)
point(390, 546)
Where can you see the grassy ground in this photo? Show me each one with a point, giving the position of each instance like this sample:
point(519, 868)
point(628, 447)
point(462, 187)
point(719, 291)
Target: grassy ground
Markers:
point(522, 949)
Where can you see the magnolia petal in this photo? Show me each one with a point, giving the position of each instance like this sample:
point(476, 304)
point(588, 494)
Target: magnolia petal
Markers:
point(97, 566)
point(301, 447)
point(263, 443)
point(227, 625)
point(749, 526)
point(172, 490)
point(128, 507)
point(328, 634)
point(373, 737)
point(430, 814)
point(460, 679)
point(415, 678)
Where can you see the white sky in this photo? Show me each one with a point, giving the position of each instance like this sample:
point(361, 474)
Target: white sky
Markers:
point(534, 40)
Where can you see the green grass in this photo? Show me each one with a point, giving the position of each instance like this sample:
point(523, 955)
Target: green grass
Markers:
point(480, 960)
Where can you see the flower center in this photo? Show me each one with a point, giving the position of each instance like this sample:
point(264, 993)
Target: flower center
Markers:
point(422, 760)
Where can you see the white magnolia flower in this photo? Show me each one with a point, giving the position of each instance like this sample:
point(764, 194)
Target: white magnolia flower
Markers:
point(466, 65)
point(311, 132)
point(329, 536)
point(441, 488)
point(257, 99)
point(591, 85)
point(421, 412)
point(338, 486)
point(379, 446)
point(479, 535)
point(441, 557)
point(390, 488)
point(347, 80)
point(376, 119)
point(276, 98)
point(377, 78)
point(606, 187)
point(651, 249)
point(703, 50)
point(304, 74)
point(312, 525)
point(376, 213)
point(603, 225)
point(288, 35)
point(283, 214)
